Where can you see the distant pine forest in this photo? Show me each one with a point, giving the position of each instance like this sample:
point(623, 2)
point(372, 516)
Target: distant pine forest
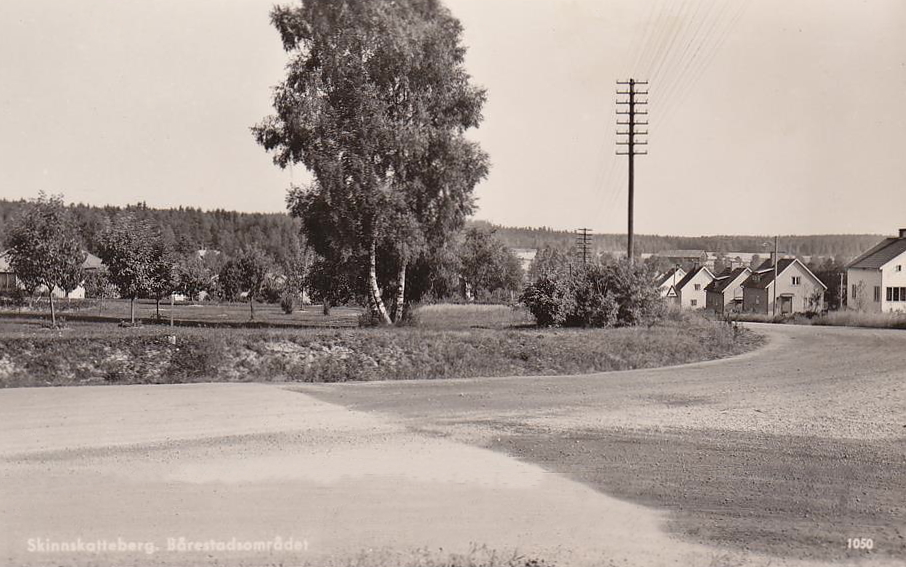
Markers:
point(278, 234)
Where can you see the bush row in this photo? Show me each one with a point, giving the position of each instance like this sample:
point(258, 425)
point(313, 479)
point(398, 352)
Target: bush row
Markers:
point(597, 295)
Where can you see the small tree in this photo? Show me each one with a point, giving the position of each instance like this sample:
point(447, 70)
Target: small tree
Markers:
point(487, 264)
point(229, 281)
point(550, 260)
point(333, 282)
point(163, 272)
point(192, 276)
point(252, 268)
point(127, 248)
point(44, 249)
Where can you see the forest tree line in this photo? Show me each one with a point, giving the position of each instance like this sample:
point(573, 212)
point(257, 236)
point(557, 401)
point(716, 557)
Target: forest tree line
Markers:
point(277, 234)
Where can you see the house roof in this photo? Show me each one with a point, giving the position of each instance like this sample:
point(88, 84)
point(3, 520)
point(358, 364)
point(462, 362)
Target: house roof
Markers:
point(880, 254)
point(666, 277)
point(91, 262)
point(692, 273)
point(762, 277)
point(726, 279)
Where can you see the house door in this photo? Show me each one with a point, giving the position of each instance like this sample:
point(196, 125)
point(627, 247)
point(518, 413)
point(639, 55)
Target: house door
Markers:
point(786, 305)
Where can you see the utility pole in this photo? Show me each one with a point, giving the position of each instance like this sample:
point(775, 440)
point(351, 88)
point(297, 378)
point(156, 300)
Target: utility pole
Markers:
point(840, 291)
point(776, 261)
point(583, 241)
point(631, 138)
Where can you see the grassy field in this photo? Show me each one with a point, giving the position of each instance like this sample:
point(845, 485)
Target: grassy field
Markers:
point(102, 318)
point(449, 316)
point(454, 342)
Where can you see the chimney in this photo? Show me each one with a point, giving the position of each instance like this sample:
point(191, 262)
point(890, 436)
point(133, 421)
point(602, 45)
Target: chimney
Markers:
point(903, 233)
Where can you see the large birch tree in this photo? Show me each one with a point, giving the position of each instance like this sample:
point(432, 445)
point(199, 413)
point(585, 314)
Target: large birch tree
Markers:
point(375, 105)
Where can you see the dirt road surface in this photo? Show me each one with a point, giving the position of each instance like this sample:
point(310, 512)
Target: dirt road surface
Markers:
point(773, 458)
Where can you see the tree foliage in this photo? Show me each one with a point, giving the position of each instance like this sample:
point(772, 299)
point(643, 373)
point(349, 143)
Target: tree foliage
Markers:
point(375, 104)
point(609, 294)
point(487, 264)
point(128, 248)
point(251, 268)
point(43, 247)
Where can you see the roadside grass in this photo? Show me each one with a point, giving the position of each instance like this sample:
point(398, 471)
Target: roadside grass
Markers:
point(860, 319)
point(846, 318)
point(155, 354)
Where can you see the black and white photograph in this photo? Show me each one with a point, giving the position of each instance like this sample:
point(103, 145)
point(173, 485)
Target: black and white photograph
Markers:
point(452, 283)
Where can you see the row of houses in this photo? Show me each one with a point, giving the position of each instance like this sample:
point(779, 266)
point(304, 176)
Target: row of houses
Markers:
point(876, 282)
point(797, 289)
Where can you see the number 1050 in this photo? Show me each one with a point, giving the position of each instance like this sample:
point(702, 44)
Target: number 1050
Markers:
point(860, 543)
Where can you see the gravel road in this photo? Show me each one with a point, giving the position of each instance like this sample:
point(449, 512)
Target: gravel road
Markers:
point(787, 451)
point(770, 458)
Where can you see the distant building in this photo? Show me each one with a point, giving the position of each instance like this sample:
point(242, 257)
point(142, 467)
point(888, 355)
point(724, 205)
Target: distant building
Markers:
point(685, 257)
point(724, 294)
point(877, 279)
point(666, 284)
point(690, 290)
point(9, 282)
point(798, 289)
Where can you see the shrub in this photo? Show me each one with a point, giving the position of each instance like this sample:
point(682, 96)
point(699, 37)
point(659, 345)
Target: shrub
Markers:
point(288, 303)
point(550, 300)
point(598, 295)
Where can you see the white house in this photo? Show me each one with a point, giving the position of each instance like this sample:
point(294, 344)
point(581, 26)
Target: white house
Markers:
point(798, 290)
point(690, 290)
point(876, 280)
point(666, 284)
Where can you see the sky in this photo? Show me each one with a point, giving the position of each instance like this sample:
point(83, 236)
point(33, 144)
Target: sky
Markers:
point(766, 117)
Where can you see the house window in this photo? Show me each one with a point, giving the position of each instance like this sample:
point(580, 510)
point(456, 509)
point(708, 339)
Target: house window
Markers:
point(855, 291)
point(896, 294)
point(797, 280)
point(698, 287)
point(877, 293)
point(694, 302)
point(899, 268)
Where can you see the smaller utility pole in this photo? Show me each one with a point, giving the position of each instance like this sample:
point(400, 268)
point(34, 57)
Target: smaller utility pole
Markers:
point(840, 292)
point(776, 261)
point(583, 241)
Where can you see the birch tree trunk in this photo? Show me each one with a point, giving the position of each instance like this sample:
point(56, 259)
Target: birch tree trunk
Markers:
point(400, 299)
point(53, 313)
point(376, 304)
